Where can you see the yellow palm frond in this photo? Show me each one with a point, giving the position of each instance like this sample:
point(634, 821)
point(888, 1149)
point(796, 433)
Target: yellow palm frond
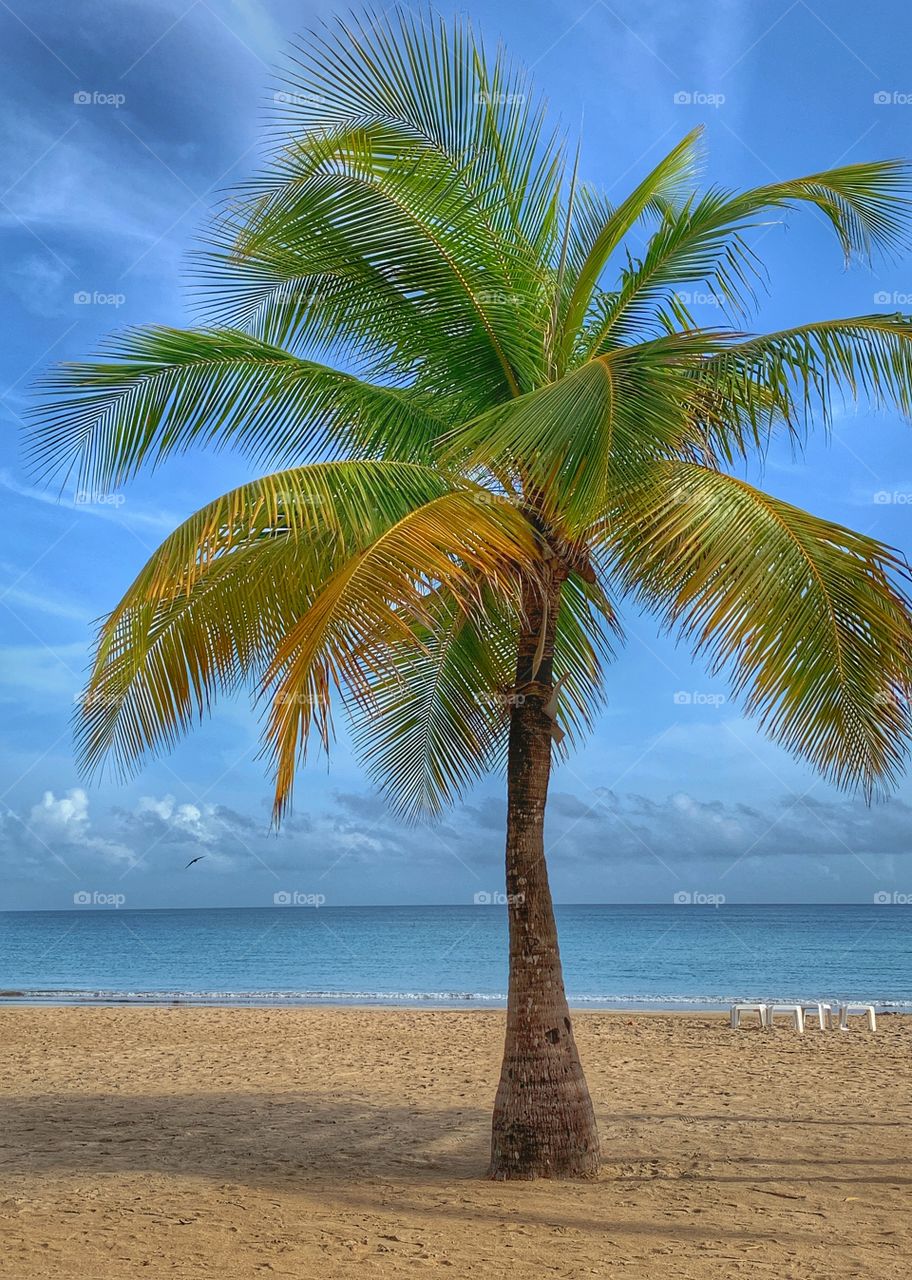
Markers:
point(379, 600)
point(811, 619)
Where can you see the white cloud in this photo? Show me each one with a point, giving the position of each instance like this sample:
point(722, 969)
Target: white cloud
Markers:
point(63, 826)
point(680, 830)
point(47, 602)
point(188, 821)
point(67, 816)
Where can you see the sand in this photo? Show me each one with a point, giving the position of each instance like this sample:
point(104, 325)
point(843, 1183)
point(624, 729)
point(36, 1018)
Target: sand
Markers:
point(188, 1142)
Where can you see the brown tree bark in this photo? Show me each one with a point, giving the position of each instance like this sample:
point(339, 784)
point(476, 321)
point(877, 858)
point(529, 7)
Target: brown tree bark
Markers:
point(544, 1126)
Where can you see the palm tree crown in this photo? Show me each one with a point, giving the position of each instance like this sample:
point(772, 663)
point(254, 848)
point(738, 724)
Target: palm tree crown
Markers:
point(469, 381)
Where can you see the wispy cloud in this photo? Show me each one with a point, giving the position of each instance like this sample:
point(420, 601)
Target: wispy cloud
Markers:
point(114, 507)
point(40, 671)
point(49, 603)
point(80, 189)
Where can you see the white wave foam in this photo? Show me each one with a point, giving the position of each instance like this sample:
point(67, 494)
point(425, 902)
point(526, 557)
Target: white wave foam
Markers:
point(477, 998)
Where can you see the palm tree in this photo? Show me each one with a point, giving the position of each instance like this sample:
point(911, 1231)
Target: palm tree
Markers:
point(515, 423)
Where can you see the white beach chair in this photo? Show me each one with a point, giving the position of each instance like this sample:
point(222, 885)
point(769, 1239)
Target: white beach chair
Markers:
point(739, 1010)
point(820, 1010)
point(857, 1010)
point(793, 1011)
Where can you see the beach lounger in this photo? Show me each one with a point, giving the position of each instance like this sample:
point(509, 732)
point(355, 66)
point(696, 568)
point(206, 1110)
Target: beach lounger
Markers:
point(820, 1010)
point(860, 1010)
point(738, 1011)
point(793, 1011)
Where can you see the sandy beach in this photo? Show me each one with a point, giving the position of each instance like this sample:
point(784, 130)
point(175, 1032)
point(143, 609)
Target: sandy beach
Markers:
point(189, 1142)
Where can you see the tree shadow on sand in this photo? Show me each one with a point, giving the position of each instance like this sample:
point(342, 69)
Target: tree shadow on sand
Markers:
point(262, 1139)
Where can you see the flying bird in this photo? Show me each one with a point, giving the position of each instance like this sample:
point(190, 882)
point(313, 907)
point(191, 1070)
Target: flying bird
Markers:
point(192, 860)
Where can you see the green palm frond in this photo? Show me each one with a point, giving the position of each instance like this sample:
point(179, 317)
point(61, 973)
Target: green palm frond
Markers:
point(163, 391)
point(699, 392)
point(438, 713)
point(803, 369)
point(357, 206)
point(696, 245)
point(575, 440)
point(811, 619)
point(666, 181)
point(434, 81)
point(409, 220)
point(381, 598)
point(702, 243)
point(164, 658)
point(866, 204)
point(587, 630)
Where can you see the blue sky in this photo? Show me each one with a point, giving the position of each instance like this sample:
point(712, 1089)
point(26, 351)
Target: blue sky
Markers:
point(120, 125)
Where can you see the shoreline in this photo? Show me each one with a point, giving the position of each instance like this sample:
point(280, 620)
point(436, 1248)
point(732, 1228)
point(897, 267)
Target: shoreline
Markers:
point(25, 999)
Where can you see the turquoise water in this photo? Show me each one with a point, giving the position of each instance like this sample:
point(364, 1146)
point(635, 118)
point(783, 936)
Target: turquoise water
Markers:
point(614, 956)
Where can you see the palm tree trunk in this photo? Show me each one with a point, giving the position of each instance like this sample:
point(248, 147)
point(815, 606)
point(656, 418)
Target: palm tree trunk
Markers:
point(544, 1126)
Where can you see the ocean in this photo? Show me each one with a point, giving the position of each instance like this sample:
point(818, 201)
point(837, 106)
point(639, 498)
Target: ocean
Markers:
point(653, 957)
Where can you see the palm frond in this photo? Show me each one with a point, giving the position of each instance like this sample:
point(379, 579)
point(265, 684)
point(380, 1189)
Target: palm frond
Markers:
point(802, 370)
point(587, 630)
point(164, 657)
point(358, 206)
point(439, 713)
point(434, 81)
point(215, 602)
point(408, 219)
point(702, 242)
point(665, 182)
point(867, 205)
point(162, 391)
point(381, 598)
point(810, 619)
point(573, 442)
